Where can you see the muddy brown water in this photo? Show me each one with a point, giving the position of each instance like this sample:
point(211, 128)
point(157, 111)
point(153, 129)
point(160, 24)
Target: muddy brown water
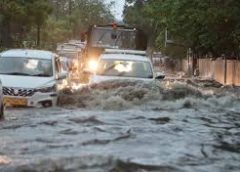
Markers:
point(125, 127)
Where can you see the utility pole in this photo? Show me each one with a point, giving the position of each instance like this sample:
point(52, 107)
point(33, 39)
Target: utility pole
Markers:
point(57, 10)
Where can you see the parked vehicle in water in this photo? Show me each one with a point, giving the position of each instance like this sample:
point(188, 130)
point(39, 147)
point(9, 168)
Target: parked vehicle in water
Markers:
point(31, 77)
point(122, 64)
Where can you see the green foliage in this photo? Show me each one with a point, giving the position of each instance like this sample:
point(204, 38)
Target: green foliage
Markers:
point(55, 32)
point(19, 18)
point(47, 22)
point(206, 26)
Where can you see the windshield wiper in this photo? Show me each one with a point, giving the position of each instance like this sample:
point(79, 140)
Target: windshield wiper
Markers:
point(16, 73)
point(41, 74)
point(106, 70)
point(109, 68)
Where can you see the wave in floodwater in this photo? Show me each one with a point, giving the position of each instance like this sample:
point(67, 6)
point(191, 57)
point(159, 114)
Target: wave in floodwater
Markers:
point(126, 126)
point(89, 163)
point(109, 164)
point(122, 95)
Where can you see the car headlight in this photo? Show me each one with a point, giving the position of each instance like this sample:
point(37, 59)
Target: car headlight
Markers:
point(47, 89)
point(92, 65)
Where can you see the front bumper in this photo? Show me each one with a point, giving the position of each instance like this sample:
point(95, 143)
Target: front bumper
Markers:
point(37, 100)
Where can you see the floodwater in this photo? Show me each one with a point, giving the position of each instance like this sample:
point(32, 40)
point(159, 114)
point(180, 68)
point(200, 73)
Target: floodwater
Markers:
point(126, 127)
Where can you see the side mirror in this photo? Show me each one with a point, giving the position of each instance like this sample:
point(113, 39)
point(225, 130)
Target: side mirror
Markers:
point(159, 76)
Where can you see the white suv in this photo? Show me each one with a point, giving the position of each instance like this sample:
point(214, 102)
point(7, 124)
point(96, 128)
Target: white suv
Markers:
point(123, 64)
point(30, 77)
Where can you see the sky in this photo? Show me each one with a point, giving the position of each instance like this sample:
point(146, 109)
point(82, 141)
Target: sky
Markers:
point(117, 9)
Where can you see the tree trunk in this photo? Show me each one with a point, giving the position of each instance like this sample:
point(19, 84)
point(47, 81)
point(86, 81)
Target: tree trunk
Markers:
point(57, 10)
point(70, 7)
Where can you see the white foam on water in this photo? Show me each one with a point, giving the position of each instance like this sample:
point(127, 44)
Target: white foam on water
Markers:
point(121, 95)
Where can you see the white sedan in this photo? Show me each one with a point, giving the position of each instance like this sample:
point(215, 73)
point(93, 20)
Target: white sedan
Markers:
point(122, 64)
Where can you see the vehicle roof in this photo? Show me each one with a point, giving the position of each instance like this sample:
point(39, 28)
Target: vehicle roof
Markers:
point(41, 54)
point(117, 56)
point(111, 26)
point(72, 47)
point(123, 51)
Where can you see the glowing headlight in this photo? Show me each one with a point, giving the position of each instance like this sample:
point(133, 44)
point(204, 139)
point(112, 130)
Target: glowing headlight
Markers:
point(92, 65)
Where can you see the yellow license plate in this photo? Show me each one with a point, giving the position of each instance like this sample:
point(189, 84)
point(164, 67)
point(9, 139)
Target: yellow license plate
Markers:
point(15, 101)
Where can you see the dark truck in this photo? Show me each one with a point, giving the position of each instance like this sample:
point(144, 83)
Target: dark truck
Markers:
point(112, 36)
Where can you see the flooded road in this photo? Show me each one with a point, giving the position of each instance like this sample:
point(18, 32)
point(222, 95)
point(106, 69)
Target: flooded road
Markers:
point(121, 127)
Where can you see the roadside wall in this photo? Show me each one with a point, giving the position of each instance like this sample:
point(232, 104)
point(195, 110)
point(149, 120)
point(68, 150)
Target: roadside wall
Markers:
point(185, 66)
point(205, 68)
point(226, 72)
point(218, 71)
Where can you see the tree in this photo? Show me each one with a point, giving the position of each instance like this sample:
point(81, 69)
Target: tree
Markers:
point(19, 17)
point(79, 15)
point(47, 22)
point(38, 12)
point(205, 26)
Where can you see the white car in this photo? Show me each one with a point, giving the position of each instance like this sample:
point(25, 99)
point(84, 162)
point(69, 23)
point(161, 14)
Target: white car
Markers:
point(123, 64)
point(30, 77)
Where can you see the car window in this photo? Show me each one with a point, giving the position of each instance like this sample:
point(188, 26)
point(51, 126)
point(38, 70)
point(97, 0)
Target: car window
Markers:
point(125, 68)
point(26, 66)
point(103, 37)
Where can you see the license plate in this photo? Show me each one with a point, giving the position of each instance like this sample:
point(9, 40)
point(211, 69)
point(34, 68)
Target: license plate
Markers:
point(15, 101)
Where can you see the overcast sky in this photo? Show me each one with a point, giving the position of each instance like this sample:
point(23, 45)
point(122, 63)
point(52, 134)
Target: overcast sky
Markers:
point(117, 9)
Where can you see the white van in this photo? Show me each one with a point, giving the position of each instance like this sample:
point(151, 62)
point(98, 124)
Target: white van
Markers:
point(31, 77)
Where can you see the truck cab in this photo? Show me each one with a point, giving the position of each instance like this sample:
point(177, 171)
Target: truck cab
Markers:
point(112, 36)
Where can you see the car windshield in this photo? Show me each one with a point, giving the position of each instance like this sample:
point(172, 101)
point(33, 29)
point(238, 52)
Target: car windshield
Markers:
point(26, 66)
point(108, 38)
point(125, 68)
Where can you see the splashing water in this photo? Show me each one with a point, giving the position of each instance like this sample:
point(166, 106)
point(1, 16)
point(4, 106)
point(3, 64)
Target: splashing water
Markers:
point(121, 126)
